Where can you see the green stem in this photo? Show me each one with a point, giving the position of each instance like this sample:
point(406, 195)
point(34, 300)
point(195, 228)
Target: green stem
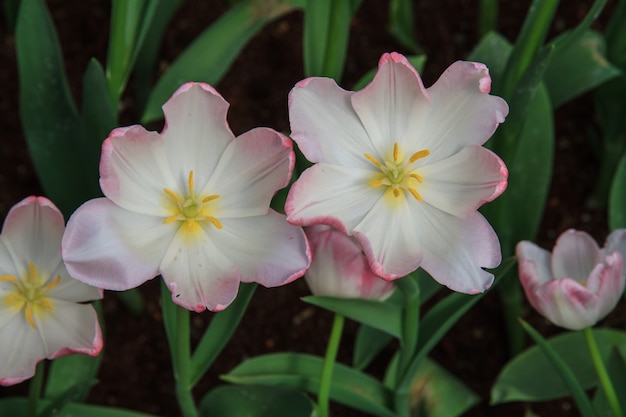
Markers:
point(34, 389)
point(603, 375)
point(181, 357)
point(323, 397)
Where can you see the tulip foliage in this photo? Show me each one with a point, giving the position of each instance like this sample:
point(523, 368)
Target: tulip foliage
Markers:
point(401, 205)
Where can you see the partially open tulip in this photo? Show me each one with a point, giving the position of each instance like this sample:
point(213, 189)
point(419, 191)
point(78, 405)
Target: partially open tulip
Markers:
point(340, 269)
point(42, 309)
point(579, 283)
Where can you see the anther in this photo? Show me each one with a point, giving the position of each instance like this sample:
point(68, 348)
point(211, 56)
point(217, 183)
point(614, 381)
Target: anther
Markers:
point(396, 151)
point(373, 160)
point(419, 154)
point(415, 194)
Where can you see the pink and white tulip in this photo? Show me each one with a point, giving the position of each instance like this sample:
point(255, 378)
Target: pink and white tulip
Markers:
point(579, 283)
point(190, 203)
point(401, 168)
point(340, 269)
point(42, 310)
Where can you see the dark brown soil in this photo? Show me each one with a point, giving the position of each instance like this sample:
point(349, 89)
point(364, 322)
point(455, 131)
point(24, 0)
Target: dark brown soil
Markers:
point(136, 371)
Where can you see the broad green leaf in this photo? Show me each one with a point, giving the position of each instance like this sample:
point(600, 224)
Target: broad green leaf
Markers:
point(617, 198)
point(49, 117)
point(349, 386)
point(432, 389)
point(219, 332)
point(368, 344)
point(211, 54)
point(73, 375)
point(377, 314)
point(577, 68)
point(487, 16)
point(615, 35)
point(255, 401)
point(493, 50)
point(16, 406)
point(402, 24)
point(616, 367)
point(417, 61)
point(531, 377)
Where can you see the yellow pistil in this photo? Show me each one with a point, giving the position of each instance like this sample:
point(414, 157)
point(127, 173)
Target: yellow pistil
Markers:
point(397, 174)
point(191, 209)
point(29, 294)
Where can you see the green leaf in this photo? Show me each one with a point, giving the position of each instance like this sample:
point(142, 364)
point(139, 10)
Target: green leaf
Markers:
point(432, 388)
point(530, 376)
point(380, 315)
point(210, 55)
point(401, 23)
point(617, 198)
point(16, 406)
point(578, 68)
point(255, 401)
point(74, 374)
point(494, 51)
point(368, 344)
point(616, 367)
point(49, 117)
point(219, 332)
point(417, 61)
point(349, 386)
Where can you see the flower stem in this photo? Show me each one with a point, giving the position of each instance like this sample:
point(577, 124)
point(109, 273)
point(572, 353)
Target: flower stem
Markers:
point(603, 375)
point(34, 389)
point(329, 362)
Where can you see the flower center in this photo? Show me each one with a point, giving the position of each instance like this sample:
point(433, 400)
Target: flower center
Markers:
point(30, 294)
point(398, 174)
point(191, 209)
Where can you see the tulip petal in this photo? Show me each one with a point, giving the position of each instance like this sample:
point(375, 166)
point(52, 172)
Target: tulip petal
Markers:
point(198, 273)
point(575, 255)
point(461, 183)
point(21, 348)
point(134, 171)
point(325, 126)
point(333, 195)
point(196, 131)
point(112, 248)
point(534, 264)
point(252, 168)
point(393, 101)
point(461, 112)
point(266, 249)
point(567, 303)
point(616, 242)
point(69, 289)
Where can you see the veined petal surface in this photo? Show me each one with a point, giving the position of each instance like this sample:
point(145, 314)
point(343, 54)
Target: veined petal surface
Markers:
point(575, 255)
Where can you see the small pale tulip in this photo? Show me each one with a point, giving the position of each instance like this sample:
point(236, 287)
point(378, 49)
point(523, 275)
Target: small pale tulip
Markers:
point(579, 283)
point(42, 310)
point(340, 269)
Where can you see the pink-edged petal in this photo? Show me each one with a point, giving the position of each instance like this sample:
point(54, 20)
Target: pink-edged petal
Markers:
point(461, 111)
point(575, 255)
point(391, 103)
point(70, 328)
point(196, 131)
point(32, 233)
point(390, 237)
point(324, 124)
point(456, 250)
point(607, 281)
point(461, 183)
point(616, 242)
point(340, 269)
point(134, 171)
point(252, 168)
point(112, 248)
point(534, 264)
point(266, 249)
point(566, 303)
point(198, 273)
point(333, 195)
point(69, 289)
point(21, 348)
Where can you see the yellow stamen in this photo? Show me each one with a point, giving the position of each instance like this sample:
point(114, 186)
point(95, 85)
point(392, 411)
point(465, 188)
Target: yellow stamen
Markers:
point(417, 177)
point(376, 183)
point(14, 297)
point(419, 154)
point(373, 160)
point(192, 225)
point(396, 151)
point(213, 220)
point(396, 192)
point(54, 283)
point(190, 181)
point(415, 194)
point(210, 198)
point(173, 195)
point(28, 311)
point(170, 219)
point(9, 278)
point(45, 304)
point(31, 270)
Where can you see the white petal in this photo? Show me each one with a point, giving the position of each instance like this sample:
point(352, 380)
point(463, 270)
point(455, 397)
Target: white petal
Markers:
point(112, 248)
point(461, 183)
point(20, 348)
point(616, 242)
point(196, 131)
point(324, 124)
point(198, 274)
point(456, 250)
point(461, 112)
point(534, 263)
point(390, 103)
point(390, 237)
point(575, 255)
point(333, 195)
point(252, 168)
point(70, 289)
point(266, 249)
point(32, 233)
point(134, 171)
